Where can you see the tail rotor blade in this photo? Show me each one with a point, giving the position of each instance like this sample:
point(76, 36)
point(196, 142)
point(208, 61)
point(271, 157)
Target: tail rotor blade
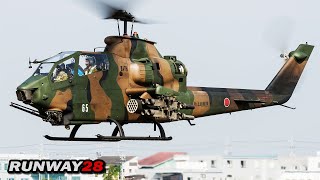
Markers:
point(278, 33)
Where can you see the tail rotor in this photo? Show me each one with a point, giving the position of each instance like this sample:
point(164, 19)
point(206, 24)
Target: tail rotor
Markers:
point(278, 34)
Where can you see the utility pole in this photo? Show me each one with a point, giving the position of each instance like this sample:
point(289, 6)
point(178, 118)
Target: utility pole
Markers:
point(122, 160)
point(118, 152)
point(291, 147)
point(227, 147)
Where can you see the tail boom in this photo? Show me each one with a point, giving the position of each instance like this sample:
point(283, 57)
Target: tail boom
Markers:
point(211, 101)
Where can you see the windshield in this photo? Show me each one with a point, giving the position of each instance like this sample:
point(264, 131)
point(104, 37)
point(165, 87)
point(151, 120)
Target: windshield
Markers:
point(46, 65)
point(43, 69)
point(58, 57)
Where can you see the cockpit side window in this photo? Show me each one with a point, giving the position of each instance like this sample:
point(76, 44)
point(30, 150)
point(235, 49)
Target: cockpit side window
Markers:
point(63, 71)
point(91, 63)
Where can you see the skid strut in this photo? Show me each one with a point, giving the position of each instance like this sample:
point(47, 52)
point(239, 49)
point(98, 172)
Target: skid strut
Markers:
point(117, 130)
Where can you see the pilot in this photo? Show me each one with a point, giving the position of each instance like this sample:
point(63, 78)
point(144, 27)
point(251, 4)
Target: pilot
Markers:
point(90, 65)
point(61, 74)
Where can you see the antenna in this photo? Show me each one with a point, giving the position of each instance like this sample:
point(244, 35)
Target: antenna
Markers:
point(30, 66)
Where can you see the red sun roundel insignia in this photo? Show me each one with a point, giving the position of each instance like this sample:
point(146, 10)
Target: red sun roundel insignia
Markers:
point(226, 102)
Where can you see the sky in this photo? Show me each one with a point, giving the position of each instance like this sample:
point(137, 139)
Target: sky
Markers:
point(229, 43)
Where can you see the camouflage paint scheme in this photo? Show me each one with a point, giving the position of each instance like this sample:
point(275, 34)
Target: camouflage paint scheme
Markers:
point(137, 70)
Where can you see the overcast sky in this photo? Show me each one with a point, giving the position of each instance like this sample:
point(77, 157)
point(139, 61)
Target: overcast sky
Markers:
point(223, 44)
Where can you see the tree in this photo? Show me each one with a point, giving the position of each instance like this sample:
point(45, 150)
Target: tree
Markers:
point(113, 173)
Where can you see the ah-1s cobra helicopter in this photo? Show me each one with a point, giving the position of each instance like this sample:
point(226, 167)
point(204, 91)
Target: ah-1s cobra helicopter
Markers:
point(131, 82)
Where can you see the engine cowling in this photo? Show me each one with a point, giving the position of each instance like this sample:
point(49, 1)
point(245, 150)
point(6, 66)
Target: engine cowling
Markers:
point(142, 73)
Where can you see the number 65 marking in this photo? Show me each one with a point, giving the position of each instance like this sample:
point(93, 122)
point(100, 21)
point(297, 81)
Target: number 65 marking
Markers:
point(85, 108)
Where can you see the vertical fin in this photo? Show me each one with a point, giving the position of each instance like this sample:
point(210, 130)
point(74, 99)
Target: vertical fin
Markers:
point(284, 83)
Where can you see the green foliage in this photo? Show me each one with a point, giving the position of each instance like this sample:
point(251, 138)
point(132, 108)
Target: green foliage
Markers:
point(113, 172)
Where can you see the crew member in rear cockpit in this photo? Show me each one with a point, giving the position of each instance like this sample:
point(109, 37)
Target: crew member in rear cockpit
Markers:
point(90, 65)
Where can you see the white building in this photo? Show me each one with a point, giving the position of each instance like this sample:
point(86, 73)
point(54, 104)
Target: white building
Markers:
point(181, 166)
point(177, 166)
point(129, 164)
point(308, 170)
point(241, 167)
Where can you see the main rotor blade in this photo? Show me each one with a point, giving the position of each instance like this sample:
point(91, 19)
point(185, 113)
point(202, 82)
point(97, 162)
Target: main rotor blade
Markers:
point(119, 10)
point(99, 8)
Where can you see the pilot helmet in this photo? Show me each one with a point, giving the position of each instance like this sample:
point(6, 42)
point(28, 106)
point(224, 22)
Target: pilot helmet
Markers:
point(91, 60)
point(61, 67)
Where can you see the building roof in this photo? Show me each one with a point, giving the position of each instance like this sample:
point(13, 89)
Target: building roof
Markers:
point(158, 158)
point(116, 159)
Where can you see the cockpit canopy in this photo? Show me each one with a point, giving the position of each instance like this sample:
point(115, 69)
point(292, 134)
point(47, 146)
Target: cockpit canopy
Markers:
point(46, 65)
point(64, 65)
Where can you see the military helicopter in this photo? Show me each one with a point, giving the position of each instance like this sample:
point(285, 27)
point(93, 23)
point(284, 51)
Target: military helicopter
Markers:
point(131, 82)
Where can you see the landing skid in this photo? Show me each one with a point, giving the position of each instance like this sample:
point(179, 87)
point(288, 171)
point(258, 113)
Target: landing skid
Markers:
point(109, 138)
point(114, 138)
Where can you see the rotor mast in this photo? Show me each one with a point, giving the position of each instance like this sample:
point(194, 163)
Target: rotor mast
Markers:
point(125, 26)
point(122, 15)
